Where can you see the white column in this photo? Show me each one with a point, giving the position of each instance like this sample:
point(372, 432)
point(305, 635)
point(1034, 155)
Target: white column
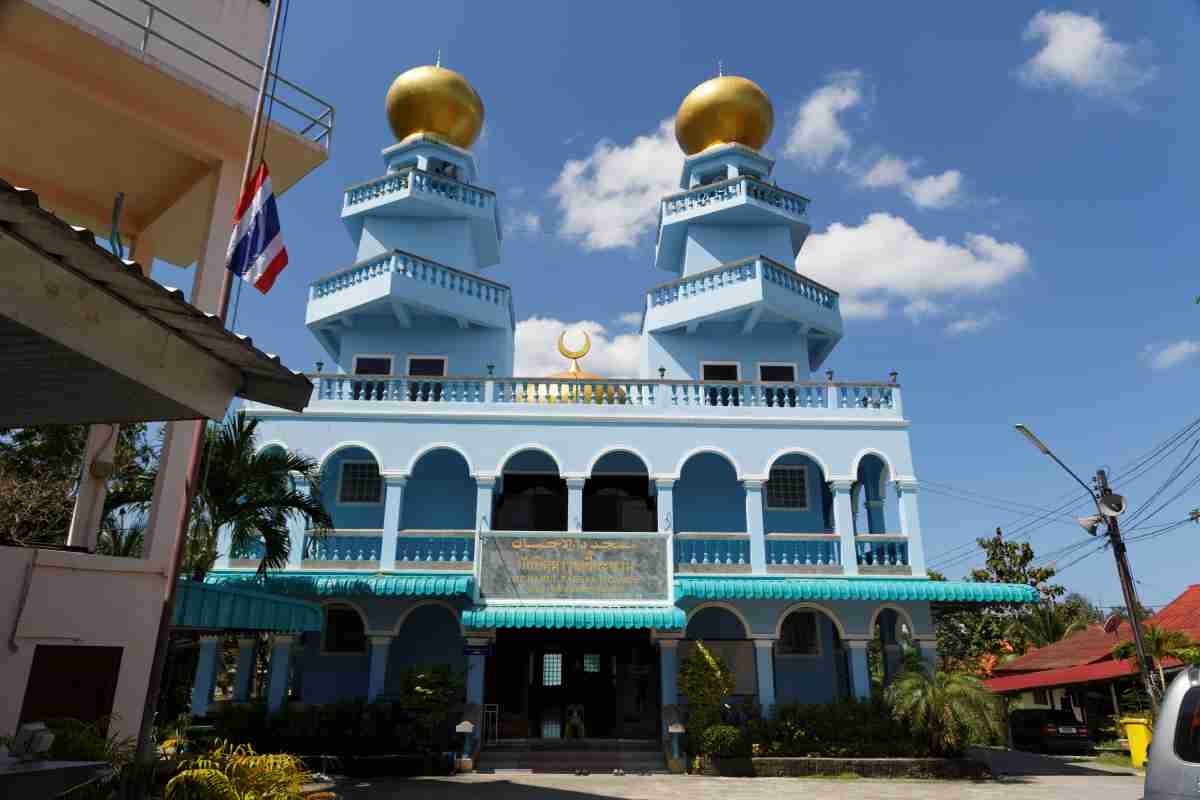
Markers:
point(843, 523)
point(393, 514)
point(93, 485)
point(668, 673)
point(929, 652)
point(207, 664)
point(242, 679)
point(860, 670)
point(666, 504)
point(575, 501)
point(764, 661)
point(377, 672)
point(754, 525)
point(476, 664)
point(485, 483)
point(224, 547)
point(297, 530)
point(277, 672)
point(910, 525)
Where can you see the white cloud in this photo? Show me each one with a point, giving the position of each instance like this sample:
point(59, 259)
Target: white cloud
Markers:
point(631, 319)
point(537, 348)
point(886, 259)
point(1078, 53)
point(1171, 355)
point(921, 308)
point(609, 199)
point(971, 323)
point(817, 134)
point(522, 222)
point(930, 191)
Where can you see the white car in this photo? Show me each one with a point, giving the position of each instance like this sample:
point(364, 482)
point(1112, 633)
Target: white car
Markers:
point(1173, 770)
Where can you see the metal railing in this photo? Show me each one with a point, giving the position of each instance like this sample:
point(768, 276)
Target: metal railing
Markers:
point(315, 124)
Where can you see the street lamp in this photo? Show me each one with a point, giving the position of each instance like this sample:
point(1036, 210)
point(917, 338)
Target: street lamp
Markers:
point(1108, 507)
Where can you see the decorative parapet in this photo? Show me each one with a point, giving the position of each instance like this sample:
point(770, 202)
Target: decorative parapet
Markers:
point(415, 181)
point(882, 550)
point(713, 194)
point(708, 552)
point(749, 269)
point(804, 552)
point(436, 550)
point(406, 265)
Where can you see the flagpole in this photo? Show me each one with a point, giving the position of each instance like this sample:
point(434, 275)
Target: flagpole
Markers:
point(145, 744)
point(227, 276)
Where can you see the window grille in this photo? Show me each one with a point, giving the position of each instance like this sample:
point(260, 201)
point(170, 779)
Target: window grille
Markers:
point(552, 669)
point(360, 483)
point(591, 662)
point(787, 487)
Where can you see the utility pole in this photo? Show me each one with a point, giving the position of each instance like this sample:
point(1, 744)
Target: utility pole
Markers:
point(1129, 589)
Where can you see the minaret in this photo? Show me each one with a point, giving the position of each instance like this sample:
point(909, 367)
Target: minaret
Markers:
point(731, 237)
point(422, 232)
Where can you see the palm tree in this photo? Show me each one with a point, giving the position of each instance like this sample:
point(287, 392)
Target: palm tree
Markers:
point(252, 494)
point(120, 541)
point(949, 709)
point(1046, 623)
point(1161, 644)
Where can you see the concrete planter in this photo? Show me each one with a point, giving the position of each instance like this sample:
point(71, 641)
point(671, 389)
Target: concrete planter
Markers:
point(936, 768)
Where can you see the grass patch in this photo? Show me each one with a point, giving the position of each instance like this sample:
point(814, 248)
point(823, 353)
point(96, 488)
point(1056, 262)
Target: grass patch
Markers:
point(1115, 760)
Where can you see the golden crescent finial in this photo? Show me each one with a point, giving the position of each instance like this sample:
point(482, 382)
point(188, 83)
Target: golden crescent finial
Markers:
point(574, 354)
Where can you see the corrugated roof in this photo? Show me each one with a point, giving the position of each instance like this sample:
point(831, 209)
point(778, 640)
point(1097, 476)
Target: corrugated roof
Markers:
point(1066, 676)
point(852, 589)
point(663, 618)
point(352, 584)
point(264, 378)
point(204, 606)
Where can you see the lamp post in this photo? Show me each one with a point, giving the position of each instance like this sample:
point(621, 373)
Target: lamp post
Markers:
point(1108, 506)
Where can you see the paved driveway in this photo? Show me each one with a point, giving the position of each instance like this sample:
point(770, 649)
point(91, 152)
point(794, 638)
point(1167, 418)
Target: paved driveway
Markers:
point(1086, 784)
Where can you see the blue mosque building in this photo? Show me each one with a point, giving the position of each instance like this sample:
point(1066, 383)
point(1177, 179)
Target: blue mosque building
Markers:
point(564, 540)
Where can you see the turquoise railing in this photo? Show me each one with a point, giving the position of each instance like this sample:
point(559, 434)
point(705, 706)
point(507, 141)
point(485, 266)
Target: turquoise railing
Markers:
point(421, 270)
point(737, 272)
point(417, 180)
point(881, 552)
point(343, 548)
point(804, 552)
point(724, 191)
point(252, 550)
point(435, 549)
point(724, 551)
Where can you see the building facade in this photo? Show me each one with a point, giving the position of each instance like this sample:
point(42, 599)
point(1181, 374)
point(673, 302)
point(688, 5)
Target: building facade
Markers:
point(564, 539)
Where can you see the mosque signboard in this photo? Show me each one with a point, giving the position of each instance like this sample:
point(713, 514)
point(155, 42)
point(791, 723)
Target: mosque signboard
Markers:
point(573, 566)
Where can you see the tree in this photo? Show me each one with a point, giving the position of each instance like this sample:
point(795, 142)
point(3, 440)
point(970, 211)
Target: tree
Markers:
point(1079, 609)
point(253, 493)
point(1046, 623)
point(949, 709)
point(1161, 644)
point(975, 636)
point(705, 680)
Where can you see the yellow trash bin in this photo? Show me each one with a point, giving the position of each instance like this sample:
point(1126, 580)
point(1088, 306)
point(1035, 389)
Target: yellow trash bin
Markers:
point(1138, 732)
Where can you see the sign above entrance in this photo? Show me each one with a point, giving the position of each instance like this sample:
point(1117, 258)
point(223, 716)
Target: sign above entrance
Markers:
point(574, 566)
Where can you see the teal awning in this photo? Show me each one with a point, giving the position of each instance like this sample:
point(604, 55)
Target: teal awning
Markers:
point(852, 589)
point(352, 584)
point(205, 606)
point(663, 618)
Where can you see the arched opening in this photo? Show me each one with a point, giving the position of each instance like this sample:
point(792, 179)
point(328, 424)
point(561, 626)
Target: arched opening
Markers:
point(616, 496)
point(796, 497)
point(532, 496)
point(724, 634)
point(343, 630)
point(709, 498)
point(877, 503)
point(440, 493)
point(812, 662)
point(352, 489)
point(429, 637)
point(891, 642)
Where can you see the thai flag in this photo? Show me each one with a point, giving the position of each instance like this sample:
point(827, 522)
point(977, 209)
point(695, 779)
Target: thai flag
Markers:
point(256, 252)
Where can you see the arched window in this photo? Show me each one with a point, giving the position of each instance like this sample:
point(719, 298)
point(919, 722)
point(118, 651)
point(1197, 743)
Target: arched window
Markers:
point(344, 631)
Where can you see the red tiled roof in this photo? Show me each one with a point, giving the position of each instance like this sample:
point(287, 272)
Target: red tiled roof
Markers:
point(1100, 671)
point(1082, 647)
point(1182, 613)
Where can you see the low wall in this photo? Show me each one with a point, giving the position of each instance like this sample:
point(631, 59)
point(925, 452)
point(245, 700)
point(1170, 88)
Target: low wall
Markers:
point(938, 768)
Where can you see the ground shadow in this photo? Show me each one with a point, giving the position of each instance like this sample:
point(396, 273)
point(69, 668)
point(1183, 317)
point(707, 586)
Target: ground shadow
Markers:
point(441, 789)
point(1013, 765)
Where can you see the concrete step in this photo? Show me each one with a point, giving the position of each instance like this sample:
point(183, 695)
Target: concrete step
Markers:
point(596, 759)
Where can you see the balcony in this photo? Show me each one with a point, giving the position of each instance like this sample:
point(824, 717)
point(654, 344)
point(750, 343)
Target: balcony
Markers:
point(882, 554)
point(712, 552)
point(401, 283)
point(615, 399)
point(811, 553)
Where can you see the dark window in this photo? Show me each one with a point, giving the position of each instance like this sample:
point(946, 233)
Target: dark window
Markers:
point(361, 483)
point(373, 365)
point(787, 487)
point(1187, 729)
point(799, 635)
point(720, 372)
point(344, 631)
point(427, 367)
point(777, 373)
point(73, 681)
point(1040, 697)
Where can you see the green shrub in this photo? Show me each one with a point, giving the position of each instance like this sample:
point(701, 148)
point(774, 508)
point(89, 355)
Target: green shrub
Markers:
point(842, 729)
point(725, 741)
point(705, 680)
point(75, 740)
point(945, 710)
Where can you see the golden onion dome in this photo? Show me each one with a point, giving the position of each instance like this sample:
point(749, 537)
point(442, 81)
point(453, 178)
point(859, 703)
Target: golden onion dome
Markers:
point(724, 110)
point(435, 101)
point(558, 390)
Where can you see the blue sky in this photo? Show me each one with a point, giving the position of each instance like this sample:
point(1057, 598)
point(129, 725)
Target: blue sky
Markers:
point(1004, 194)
